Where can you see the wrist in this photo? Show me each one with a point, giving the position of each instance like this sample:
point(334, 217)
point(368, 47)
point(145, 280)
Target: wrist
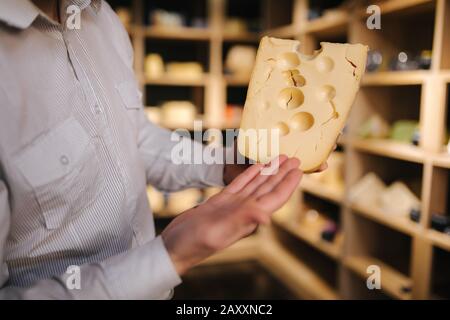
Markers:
point(181, 265)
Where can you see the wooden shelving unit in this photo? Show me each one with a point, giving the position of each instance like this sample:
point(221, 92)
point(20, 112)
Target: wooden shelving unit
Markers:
point(421, 95)
point(392, 78)
point(389, 148)
point(401, 224)
point(296, 275)
point(322, 190)
point(327, 26)
point(174, 81)
point(176, 33)
point(242, 37)
point(302, 232)
point(394, 283)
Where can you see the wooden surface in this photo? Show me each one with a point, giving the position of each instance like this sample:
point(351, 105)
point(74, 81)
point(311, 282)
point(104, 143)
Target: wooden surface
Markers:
point(392, 281)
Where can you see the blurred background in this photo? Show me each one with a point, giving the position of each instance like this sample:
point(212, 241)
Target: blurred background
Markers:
point(384, 199)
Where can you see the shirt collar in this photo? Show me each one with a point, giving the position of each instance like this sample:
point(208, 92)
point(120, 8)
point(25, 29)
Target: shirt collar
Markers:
point(22, 13)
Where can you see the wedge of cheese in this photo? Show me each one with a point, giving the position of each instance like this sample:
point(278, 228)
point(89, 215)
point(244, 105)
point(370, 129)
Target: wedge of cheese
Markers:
point(296, 104)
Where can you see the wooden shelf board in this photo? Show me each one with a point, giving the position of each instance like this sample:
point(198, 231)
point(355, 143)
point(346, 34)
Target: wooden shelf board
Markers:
point(236, 81)
point(395, 78)
point(439, 239)
point(176, 81)
point(130, 29)
point(296, 275)
point(287, 31)
point(177, 33)
point(392, 281)
point(327, 26)
point(389, 148)
point(441, 160)
point(446, 75)
point(321, 190)
point(392, 7)
point(331, 249)
point(399, 223)
point(241, 37)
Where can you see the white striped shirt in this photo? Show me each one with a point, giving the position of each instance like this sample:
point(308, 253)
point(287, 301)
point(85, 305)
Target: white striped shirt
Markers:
point(76, 153)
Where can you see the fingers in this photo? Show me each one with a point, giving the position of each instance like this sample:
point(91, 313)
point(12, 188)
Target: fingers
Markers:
point(275, 179)
point(260, 179)
point(281, 192)
point(244, 178)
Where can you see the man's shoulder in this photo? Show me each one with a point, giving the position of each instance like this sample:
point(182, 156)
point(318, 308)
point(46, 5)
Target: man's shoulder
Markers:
point(113, 28)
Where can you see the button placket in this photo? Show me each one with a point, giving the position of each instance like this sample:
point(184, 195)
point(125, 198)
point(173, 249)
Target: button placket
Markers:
point(86, 85)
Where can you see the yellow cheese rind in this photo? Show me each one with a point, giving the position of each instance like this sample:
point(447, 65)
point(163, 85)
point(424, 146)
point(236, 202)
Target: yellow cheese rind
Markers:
point(308, 98)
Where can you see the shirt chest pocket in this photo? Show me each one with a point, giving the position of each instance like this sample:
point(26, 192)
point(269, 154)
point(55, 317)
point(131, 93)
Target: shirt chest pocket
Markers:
point(130, 98)
point(64, 172)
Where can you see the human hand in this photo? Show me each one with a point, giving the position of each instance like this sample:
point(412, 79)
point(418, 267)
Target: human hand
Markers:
point(230, 215)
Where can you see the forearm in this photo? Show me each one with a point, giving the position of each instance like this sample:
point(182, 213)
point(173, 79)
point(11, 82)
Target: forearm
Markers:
point(169, 171)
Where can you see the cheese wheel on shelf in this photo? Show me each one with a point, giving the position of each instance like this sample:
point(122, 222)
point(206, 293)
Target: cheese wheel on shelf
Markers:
point(156, 200)
point(183, 200)
point(184, 70)
point(178, 114)
point(153, 66)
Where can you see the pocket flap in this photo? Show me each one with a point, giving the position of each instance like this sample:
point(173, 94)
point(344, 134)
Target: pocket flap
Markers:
point(130, 94)
point(54, 154)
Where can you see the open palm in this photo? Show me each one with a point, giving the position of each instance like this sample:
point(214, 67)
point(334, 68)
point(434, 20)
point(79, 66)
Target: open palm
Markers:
point(230, 215)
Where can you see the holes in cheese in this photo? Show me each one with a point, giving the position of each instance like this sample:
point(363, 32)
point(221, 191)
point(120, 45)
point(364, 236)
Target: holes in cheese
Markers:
point(326, 93)
point(302, 121)
point(325, 64)
point(288, 60)
point(293, 78)
point(282, 128)
point(305, 99)
point(290, 98)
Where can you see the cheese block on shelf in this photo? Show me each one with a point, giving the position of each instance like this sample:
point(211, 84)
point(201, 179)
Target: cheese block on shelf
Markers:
point(398, 199)
point(178, 114)
point(183, 200)
point(156, 200)
point(153, 114)
point(185, 70)
point(153, 66)
point(367, 190)
point(305, 98)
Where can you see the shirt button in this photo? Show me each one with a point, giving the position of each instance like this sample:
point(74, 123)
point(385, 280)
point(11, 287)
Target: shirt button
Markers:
point(64, 160)
point(97, 109)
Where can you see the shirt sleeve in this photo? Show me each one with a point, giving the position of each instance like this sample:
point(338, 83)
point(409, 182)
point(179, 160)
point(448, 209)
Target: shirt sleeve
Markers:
point(145, 272)
point(165, 165)
point(155, 145)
